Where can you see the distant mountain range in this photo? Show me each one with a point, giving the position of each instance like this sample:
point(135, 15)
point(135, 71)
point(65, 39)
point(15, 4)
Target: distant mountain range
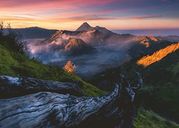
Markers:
point(34, 32)
point(90, 35)
point(149, 32)
point(94, 49)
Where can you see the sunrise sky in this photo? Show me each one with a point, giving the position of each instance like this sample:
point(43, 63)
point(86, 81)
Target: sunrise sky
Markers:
point(113, 14)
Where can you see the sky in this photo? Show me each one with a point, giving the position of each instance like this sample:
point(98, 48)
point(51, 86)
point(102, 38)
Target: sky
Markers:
point(112, 14)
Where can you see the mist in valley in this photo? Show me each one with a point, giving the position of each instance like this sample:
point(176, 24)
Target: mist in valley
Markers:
point(102, 58)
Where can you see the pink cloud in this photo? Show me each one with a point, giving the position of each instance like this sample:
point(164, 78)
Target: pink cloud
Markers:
point(65, 12)
point(145, 17)
point(47, 4)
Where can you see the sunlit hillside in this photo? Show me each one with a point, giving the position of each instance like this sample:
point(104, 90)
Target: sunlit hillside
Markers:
point(158, 55)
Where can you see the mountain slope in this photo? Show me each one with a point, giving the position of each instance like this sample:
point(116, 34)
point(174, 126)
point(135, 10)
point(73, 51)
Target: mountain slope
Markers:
point(77, 47)
point(160, 82)
point(161, 86)
point(91, 35)
point(149, 119)
point(146, 45)
point(14, 63)
point(158, 55)
point(84, 27)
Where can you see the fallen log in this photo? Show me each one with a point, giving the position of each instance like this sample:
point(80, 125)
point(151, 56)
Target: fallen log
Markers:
point(52, 110)
point(18, 86)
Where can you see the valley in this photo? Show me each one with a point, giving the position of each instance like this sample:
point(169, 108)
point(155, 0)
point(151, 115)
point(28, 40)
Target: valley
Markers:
point(92, 49)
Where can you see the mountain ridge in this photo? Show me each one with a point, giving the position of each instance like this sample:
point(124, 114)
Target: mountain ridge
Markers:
point(158, 55)
point(34, 32)
point(84, 27)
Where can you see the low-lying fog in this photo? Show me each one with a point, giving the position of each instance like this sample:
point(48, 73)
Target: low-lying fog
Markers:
point(86, 65)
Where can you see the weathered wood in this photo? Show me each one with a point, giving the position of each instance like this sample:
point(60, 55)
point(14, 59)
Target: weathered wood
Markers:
point(52, 110)
point(18, 86)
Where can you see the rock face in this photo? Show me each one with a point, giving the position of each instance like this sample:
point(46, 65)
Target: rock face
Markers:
point(77, 47)
point(53, 110)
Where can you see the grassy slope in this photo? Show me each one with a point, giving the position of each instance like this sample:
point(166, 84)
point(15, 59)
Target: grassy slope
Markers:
point(17, 64)
point(161, 86)
point(149, 119)
point(160, 91)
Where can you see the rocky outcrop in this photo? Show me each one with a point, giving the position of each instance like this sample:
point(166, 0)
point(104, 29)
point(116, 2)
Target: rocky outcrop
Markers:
point(52, 110)
point(147, 41)
point(70, 67)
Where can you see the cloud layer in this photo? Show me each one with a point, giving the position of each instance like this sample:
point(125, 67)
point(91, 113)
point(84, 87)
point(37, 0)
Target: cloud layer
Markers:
point(114, 14)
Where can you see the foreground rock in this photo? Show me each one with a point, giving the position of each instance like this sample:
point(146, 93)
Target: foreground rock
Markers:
point(52, 110)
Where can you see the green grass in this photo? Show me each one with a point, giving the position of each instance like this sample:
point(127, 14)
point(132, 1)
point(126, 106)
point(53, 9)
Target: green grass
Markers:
point(149, 119)
point(162, 81)
point(175, 68)
point(161, 99)
point(15, 63)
